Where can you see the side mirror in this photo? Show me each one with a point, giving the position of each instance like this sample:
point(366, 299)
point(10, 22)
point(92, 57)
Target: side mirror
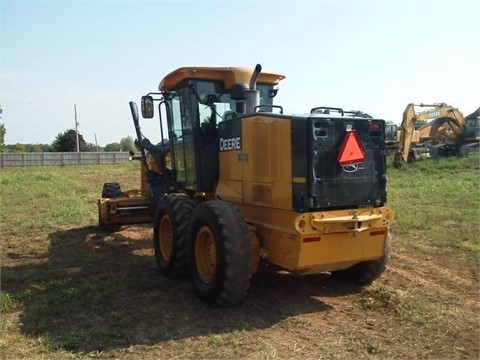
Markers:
point(147, 107)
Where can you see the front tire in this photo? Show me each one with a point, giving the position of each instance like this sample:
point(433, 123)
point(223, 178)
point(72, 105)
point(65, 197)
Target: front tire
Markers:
point(112, 190)
point(170, 233)
point(219, 254)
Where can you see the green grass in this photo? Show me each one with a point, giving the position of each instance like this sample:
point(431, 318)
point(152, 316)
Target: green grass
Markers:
point(437, 203)
point(7, 302)
point(39, 198)
point(70, 290)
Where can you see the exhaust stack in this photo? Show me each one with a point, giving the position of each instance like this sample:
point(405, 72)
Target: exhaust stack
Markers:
point(252, 94)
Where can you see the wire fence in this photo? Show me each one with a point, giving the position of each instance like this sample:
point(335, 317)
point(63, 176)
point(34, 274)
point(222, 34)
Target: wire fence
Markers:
point(62, 158)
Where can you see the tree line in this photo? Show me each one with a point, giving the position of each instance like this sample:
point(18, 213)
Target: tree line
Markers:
point(67, 142)
point(64, 142)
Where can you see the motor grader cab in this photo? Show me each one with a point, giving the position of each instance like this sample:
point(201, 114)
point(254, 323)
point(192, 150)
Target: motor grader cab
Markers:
point(250, 183)
point(446, 132)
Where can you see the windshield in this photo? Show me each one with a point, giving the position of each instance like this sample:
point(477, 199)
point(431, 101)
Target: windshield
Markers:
point(215, 103)
point(472, 126)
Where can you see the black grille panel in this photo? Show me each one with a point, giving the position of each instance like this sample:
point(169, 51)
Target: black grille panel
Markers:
point(334, 186)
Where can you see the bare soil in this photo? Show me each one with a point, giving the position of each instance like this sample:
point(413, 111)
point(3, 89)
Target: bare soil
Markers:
point(88, 293)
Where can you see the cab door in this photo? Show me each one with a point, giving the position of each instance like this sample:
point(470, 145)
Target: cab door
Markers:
point(181, 134)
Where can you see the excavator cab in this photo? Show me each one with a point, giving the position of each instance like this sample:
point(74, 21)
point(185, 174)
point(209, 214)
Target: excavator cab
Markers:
point(472, 126)
point(390, 131)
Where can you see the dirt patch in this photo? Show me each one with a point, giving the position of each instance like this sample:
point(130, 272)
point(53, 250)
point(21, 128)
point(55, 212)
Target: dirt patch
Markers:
point(90, 293)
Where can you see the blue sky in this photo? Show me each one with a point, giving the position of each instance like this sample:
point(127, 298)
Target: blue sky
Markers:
point(374, 56)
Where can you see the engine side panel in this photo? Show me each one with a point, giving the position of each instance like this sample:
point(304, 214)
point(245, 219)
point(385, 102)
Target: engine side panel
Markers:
point(255, 155)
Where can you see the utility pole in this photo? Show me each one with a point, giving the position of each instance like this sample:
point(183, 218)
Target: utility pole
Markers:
point(76, 127)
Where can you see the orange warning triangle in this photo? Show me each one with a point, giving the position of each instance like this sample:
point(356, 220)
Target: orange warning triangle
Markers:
point(352, 151)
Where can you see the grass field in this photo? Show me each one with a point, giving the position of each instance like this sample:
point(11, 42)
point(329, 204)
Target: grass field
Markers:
point(70, 290)
point(437, 204)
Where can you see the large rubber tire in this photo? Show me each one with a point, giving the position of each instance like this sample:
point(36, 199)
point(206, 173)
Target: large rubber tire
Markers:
point(219, 254)
point(170, 233)
point(366, 272)
point(112, 190)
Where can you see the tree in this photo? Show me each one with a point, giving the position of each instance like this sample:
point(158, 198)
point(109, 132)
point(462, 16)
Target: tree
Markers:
point(36, 148)
point(127, 144)
point(113, 147)
point(91, 147)
point(47, 148)
point(18, 148)
point(2, 132)
point(2, 137)
point(67, 142)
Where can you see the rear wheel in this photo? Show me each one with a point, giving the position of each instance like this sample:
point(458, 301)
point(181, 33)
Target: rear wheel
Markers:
point(170, 233)
point(366, 272)
point(219, 254)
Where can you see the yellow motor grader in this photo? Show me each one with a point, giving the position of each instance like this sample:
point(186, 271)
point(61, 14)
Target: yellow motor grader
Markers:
point(249, 183)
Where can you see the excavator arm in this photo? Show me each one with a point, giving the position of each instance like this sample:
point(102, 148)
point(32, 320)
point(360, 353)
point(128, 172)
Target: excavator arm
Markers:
point(406, 131)
point(448, 122)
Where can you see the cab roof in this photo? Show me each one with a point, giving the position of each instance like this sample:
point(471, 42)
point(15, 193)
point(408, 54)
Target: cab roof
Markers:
point(229, 76)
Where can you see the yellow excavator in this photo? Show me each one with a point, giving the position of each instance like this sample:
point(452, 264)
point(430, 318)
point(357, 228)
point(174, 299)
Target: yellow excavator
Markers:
point(446, 132)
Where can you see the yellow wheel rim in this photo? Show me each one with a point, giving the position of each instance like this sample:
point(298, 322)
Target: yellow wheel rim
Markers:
point(206, 254)
point(165, 237)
